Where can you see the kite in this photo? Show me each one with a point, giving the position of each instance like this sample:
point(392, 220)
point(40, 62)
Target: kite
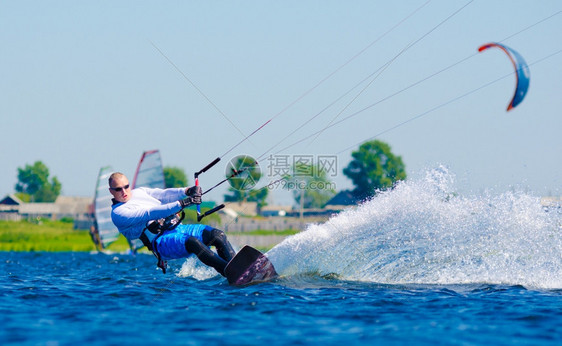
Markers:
point(522, 73)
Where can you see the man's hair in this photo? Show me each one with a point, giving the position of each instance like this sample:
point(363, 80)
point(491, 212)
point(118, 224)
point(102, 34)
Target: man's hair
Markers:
point(113, 176)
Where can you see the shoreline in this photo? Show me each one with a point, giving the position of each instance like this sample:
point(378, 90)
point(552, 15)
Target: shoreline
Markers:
point(57, 236)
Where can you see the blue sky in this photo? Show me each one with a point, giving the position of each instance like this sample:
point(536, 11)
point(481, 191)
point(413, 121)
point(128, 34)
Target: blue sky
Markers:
point(83, 86)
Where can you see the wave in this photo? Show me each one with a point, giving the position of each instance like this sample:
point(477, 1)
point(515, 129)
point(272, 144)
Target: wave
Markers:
point(422, 232)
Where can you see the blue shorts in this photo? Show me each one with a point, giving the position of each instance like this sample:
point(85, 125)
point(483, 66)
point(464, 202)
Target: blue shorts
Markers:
point(171, 244)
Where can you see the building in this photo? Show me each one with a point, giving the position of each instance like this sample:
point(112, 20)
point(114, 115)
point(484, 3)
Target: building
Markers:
point(242, 208)
point(552, 204)
point(342, 200)
point(275, 210)
point(9, 208)
point(76, 208)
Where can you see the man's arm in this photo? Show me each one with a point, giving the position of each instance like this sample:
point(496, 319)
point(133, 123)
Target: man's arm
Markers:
point(166, 195)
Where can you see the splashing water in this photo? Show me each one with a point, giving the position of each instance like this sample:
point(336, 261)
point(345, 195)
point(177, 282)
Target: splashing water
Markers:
point(422, 233)
point(193, 268)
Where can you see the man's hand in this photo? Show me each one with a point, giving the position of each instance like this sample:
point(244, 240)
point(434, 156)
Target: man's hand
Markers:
point(193, 196)
point(193, 191)
point(186, 202)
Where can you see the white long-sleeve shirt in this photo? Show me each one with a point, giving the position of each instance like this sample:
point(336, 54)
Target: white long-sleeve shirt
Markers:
point(145, 205)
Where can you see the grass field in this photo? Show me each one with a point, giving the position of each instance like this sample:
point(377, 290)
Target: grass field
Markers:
point(46, 235)
point(59, 236)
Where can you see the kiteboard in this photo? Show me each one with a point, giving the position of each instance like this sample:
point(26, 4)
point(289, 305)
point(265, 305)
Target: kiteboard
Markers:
point(249, 266)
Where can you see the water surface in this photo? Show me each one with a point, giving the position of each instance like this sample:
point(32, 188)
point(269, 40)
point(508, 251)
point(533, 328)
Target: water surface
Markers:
point(418, 264)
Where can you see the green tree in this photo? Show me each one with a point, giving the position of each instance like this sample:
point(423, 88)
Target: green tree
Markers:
point(24, 197)
point(34, 182)
point(374, 167)
point(174, 177)
point(310, 183)
point(242, 184)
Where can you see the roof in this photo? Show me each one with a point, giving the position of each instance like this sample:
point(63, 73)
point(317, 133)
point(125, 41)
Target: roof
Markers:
point(11, 200)
point(73, 200)
point(39, 208)
point(63, 205)
point(286, 208)
point(74, 205)
point(551, 201)
point(344, 197)
point(243, 208)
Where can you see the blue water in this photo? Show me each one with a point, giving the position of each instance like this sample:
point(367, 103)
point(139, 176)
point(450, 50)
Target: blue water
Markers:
point(420, 264)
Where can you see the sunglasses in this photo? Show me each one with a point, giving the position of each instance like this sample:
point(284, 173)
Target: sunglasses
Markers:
point(119, 189)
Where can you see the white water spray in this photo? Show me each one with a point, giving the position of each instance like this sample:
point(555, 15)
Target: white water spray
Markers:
point(422, 232)
point(193, 268)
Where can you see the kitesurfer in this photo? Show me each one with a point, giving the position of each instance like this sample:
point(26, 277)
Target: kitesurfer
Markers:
point(150, 215)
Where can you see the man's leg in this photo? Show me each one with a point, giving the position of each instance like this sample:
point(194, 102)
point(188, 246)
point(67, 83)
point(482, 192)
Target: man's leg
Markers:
point(205, 255)
point(196, 239)
point(217, 238)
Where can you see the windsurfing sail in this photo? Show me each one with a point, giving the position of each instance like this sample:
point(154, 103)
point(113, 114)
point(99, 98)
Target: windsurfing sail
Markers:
point(522, 73)
point(149, 173)
point(107, 231)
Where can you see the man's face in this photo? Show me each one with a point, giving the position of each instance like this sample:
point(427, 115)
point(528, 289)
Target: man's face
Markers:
point(120, 189)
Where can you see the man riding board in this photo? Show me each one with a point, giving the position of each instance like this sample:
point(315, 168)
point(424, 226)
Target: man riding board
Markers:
point(152, 216)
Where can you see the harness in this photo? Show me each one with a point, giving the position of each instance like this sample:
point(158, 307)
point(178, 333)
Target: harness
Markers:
point(155, 229)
